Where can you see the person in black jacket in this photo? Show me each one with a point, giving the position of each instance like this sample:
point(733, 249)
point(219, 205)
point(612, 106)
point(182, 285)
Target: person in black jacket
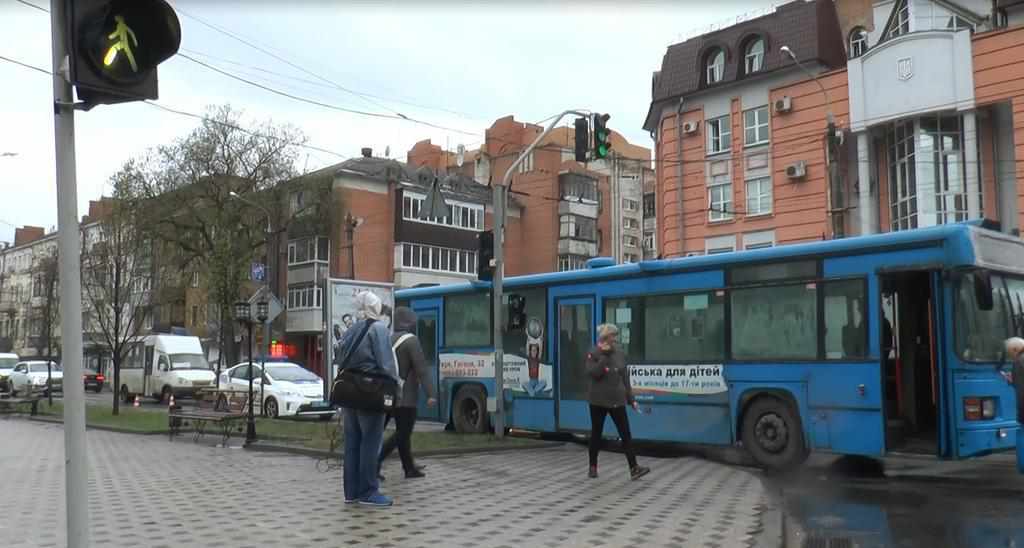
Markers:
point(608, 393)
point(414, 369)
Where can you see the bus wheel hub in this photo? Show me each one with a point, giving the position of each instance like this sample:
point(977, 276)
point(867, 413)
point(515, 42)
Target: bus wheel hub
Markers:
point(772, 433)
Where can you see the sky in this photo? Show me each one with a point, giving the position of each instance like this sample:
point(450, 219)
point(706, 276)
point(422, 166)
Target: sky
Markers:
point(458, 65)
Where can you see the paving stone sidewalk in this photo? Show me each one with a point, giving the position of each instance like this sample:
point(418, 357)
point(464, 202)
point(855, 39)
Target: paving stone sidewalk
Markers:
point(147, 491)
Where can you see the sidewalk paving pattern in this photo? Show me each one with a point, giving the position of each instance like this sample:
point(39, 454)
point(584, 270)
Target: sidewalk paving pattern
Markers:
point(147, 490)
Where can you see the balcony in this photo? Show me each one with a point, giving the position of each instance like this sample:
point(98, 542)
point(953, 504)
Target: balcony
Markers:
point(304, 320)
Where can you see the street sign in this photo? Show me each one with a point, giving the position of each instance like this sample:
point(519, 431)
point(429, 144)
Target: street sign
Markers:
point(259, 272)
point(274, 306)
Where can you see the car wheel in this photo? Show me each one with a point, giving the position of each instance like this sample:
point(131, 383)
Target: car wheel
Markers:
point(469, 411)
point(773, 435)
point(270, 408)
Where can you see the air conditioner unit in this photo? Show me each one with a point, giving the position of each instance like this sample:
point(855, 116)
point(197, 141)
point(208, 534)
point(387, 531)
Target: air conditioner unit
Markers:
point(797, 170)
point(784, 104)
point(690, 128)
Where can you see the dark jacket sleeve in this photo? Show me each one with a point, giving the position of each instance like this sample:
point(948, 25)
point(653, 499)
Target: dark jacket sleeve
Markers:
point(419, 364)
point(597, 364)
point(629, 387)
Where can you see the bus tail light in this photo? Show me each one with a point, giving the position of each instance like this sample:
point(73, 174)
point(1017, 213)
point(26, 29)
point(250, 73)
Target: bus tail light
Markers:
point(976, 409)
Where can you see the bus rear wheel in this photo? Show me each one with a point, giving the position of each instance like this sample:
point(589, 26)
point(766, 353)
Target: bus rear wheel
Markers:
point(773, 435)
point(125, 396)
point(469, 412)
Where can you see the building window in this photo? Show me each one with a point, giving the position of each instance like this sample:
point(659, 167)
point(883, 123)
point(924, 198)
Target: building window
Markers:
point(630, 223)
point(630, 241)
point(719, 244)
point(304, 296)
point(719, 135)
point(755, 126)
point(578, 228)
point(460, 215)
point(715, 66)
point(959, 23)
point(759, 240)
point(858, 42)
point(941, 149)
point(578, 187)
point(629, 204)
point(759, 196)
point(438, 259)
point(900, 19)
point(649, 208)
point(902, 180)
point(630, 258)
point(572, 262)
point(720, 198)
point(526, 165)
point(195, 279)
point(754, 56)
point(648, 240)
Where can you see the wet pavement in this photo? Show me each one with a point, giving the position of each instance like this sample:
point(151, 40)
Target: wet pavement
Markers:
point(917, 502)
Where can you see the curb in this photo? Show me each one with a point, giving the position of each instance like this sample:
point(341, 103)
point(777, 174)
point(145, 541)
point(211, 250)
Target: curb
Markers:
point(320, 453)
point(107, 428)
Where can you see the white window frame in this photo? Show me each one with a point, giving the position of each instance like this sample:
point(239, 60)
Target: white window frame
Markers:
point(628, 240)
point(715, 66)
point(630, 223)
point(753, 61)
point(759, 202)
point(629, 204)
point(760, 121)
point(759, 240)
point(572, 262)
point(648, 240)
point(526, 165)
point(720, 206)
point(719, 135)
point(447, 260)
point(472, 220)
point(305, 297)
point(858, 42)
point(900, 20)
point(719, 244)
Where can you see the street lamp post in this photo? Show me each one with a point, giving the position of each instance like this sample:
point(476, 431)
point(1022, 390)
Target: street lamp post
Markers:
point(243, 314)
point(265, 351)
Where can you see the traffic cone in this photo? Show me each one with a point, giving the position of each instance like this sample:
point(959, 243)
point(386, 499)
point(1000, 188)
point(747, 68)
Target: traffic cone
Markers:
point(170, 402)
point(137, 402)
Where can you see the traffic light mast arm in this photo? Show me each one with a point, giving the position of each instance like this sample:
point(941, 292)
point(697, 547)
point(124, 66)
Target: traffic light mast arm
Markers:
point(500, 197)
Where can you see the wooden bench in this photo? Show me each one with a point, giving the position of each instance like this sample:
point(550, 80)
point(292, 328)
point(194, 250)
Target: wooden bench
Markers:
point(211, 412)
point(9, 405)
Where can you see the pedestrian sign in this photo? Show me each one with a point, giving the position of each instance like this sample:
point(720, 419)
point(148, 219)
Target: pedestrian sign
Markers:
point(122, 32)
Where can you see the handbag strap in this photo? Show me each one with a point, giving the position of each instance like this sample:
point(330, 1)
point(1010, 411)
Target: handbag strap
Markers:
point(352, 349)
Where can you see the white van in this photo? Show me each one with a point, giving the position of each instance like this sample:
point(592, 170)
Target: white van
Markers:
point(161, 365)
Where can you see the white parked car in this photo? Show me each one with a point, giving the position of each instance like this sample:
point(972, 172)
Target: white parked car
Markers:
point(30, 377)
point(288, 388)
point(7, 363)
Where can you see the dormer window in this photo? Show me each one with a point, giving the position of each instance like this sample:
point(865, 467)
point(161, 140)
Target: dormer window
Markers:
point(900, 23)
point(753, 58)
point(715, 66)
point(858, 42)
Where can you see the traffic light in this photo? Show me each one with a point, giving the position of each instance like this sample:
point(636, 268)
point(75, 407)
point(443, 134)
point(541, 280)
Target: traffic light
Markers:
point(485, 254)
point(602, 137)
point(582, 139)
point(114, 47)
point(516, 312)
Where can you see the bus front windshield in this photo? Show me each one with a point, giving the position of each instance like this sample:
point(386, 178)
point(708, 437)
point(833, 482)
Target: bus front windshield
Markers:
point(981, 334)
point(188, 361)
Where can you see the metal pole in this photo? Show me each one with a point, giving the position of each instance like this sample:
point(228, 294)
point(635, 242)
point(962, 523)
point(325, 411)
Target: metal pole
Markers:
point(265, 350)
point(500, 197)
point(250, 430)
point(76, 479)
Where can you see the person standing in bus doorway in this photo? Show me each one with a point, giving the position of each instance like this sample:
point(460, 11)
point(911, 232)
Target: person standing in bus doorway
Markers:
point(608, 393)
point(367, 346)
point(414, 369)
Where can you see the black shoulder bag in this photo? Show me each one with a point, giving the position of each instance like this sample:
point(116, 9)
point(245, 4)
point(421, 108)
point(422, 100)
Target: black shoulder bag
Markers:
point(363, 390)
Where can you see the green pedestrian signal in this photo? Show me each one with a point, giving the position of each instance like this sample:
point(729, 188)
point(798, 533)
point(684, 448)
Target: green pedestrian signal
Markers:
point(602, 137)
point(114, 47)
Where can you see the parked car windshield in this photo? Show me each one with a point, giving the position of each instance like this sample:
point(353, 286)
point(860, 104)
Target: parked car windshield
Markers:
point(8, 363)
point(41, 367)
point(189, 361)
point(291, 373)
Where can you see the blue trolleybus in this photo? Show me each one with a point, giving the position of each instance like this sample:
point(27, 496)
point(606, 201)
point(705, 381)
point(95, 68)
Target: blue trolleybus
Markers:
point(860, 346)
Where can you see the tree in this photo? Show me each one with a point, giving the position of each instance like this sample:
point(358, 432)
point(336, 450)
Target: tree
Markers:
point(116, 272)
point(189, 186)
point(45, 285)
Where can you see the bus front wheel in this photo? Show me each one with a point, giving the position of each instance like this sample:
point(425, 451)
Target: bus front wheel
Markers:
point(469, 412)
point(773, 435)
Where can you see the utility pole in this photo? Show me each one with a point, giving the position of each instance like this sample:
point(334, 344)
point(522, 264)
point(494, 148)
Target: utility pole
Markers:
point(76, 480)
point(499, 204)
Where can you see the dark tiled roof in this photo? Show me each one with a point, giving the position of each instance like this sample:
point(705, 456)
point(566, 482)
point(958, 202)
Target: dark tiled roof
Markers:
point(453, 185)
point(809, 28)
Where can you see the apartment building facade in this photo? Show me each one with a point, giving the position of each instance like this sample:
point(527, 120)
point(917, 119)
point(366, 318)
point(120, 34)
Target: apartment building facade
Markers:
point(925, 99)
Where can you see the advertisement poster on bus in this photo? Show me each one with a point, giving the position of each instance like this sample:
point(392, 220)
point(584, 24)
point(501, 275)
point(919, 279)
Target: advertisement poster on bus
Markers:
point(524, 376)
point(343, 315)
point(671, 380)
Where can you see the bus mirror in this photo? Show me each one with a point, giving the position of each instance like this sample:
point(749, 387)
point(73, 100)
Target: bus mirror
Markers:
point(983, 290)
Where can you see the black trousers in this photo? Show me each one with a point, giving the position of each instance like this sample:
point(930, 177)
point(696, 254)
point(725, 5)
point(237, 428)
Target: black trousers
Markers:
point(618, 414)
point(405, 420)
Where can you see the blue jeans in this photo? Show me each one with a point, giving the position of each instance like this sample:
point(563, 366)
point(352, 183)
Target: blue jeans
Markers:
point(364, 433)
